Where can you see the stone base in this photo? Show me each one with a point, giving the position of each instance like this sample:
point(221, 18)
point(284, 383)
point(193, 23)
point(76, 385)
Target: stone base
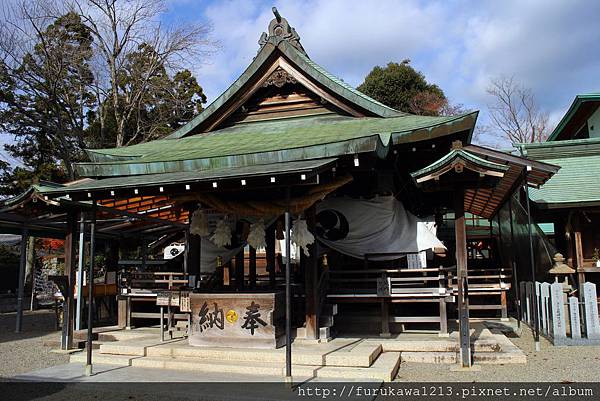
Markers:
point(472, 368)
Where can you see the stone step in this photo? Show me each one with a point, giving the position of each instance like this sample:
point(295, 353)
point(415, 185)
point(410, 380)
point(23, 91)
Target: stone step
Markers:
point(441, 345)
point(78, 344)
point(436, 357)
point(345, 354)
point(324, 333)
point(362, 355)
point(113, 333)
point(509, 356)
point(120, 360)
point(384, 368)
point(220, 366)
point(134, 347)
point(273, 356)
point(453, 357)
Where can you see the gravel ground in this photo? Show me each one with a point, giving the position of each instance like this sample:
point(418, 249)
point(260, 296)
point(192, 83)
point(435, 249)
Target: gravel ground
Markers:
point(20, 353)
point(24, 352)
point(551, 364)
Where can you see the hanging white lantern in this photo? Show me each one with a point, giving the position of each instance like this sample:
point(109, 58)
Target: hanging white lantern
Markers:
point(301, 236)
point(256, 236)
point(222, 235)
point(199, 224)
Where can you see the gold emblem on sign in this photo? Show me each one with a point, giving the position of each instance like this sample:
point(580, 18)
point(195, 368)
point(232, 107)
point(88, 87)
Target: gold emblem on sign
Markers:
point(231, 316)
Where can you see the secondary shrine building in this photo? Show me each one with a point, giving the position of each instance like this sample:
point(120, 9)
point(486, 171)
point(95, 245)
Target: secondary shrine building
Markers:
point(293, 207)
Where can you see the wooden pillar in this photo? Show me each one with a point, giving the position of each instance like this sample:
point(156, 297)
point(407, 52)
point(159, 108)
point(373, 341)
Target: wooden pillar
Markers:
point(536, 317)
point(80, 267)
point(193, 255)
point(90, 292)
point(571, 258)
point(560, 238)
point(578, 249)
point(311, 280)
point(385, 318)
point(252, 267)
point(21, 287)
point(461, 269)
point(192, 248)
point(270, 250)
point(69, 305)
point(579, 261)
point(288, 296)
point(239, 270)
point(144, 252)
point(112, 255)
point(513, 258)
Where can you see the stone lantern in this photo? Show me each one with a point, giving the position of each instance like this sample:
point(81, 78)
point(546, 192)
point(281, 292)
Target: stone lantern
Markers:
point(560, 268)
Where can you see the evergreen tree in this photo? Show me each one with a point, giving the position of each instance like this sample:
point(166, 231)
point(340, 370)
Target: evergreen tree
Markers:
point(403, 88)
point(45, 100)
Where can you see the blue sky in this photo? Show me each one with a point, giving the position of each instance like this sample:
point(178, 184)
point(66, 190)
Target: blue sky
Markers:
point(550, 46)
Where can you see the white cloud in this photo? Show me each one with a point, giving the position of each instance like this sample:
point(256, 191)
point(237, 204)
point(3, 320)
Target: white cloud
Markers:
point(550, 46)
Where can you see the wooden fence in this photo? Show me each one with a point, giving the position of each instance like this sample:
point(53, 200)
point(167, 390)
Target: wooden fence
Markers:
point(563, 319)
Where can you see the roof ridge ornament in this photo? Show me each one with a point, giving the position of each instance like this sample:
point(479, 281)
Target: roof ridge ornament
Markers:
point(280, 30)
point(456, 145)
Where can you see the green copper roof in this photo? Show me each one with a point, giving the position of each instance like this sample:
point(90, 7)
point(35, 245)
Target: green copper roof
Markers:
point(187, 177)
point(272, 142)
point(579, 100)
point(33, 190)
point(577, 183)
point(560, 149)
point(458, 154)
point(194, 148)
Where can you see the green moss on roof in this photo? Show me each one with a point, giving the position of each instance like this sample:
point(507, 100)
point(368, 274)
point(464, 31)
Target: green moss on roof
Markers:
point(302, 166)
point(270, 142)
point(275, 135)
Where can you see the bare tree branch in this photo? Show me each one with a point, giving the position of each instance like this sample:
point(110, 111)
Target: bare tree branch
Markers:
point(120, 28)
point(514, 112)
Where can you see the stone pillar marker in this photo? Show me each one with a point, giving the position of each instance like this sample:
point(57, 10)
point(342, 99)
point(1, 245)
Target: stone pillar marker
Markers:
point(529, 302)
point(538, 302)
point(559, 329)
point(574, 317)
point(592, 323)
point(545, 293)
